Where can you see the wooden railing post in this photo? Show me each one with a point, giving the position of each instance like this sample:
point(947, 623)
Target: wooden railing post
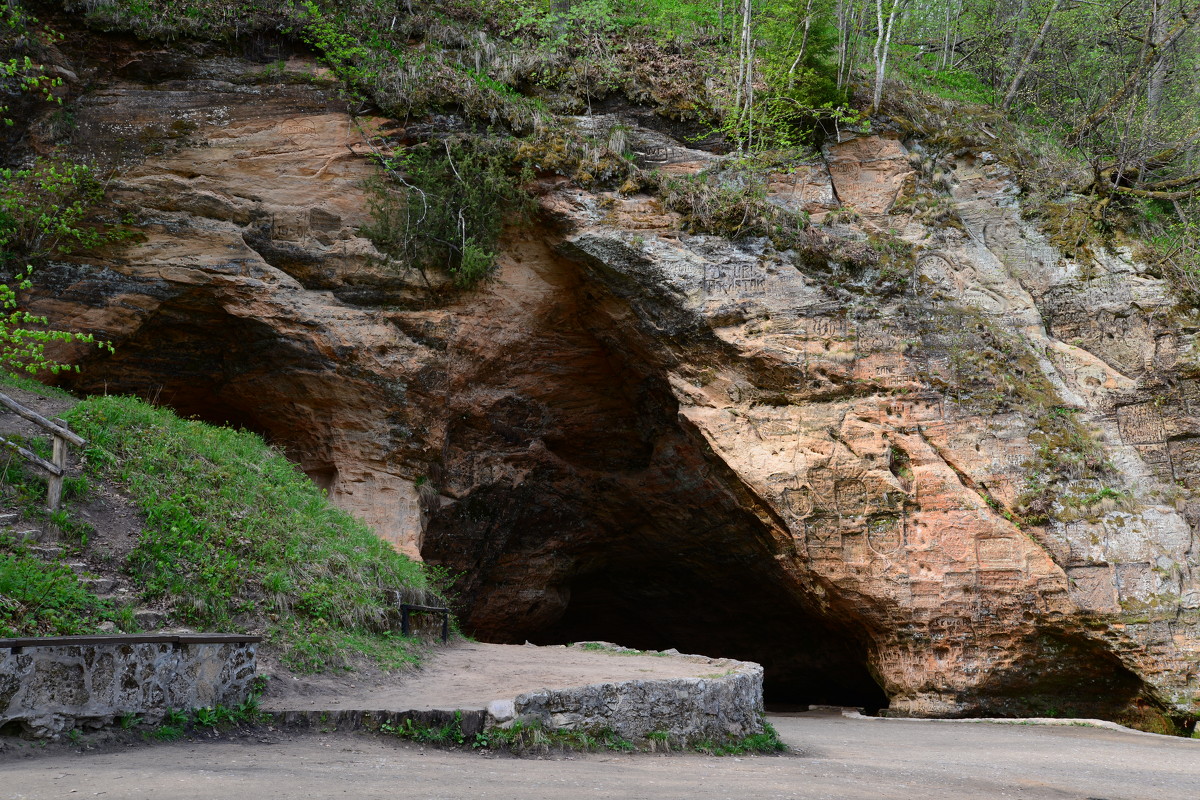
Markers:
point(55, 483)
point(56, 468)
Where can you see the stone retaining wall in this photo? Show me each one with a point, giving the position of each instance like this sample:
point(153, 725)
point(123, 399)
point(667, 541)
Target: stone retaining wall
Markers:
point(50, 686)
point(729, 703)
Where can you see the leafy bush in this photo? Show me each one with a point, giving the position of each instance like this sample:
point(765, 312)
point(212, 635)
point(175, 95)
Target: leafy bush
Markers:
point(19, 72)
point(24, 336)
point(44, 208)
point(444, 205)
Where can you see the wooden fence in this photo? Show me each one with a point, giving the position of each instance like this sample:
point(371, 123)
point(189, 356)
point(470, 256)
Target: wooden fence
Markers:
point(56, 467)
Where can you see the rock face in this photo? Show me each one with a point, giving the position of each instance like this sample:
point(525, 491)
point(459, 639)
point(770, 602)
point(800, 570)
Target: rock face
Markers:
point(61, 684)
point(961, 482)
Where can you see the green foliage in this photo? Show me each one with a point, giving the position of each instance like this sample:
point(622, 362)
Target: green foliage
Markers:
point(449, 734)
point(23, 335)
point(733, 204)
point(316, 647)
point(1065, 452)
point(444, 205)
point(330, 36)
point(44, 208)
point(236, 534)
point(800, 92)
point(175, 717)
point(959, 85)
point(1170, 236)
point(558, 26)
point(167, 733)
point(177, 723)
point(20, 74)
point(43, 599)
point(525, 737)
point(767, 742)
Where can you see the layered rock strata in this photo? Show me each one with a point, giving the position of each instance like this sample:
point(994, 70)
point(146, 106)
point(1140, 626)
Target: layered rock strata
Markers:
point(958, 477)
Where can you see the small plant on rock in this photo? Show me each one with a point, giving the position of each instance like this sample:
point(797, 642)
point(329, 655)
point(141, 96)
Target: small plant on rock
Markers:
point(443, 205)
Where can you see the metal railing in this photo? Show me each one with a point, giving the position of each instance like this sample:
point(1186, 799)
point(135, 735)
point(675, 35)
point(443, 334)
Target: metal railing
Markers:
point(178, 640)
point(406, 609)
point(57, 465)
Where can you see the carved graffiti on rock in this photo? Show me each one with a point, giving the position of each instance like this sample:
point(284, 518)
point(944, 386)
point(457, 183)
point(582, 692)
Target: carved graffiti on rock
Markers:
point(1140, 424)
point(734, 279)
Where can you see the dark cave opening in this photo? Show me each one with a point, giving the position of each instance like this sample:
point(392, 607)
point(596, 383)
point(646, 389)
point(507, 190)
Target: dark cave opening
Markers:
point(807, 658)
point(535, 568)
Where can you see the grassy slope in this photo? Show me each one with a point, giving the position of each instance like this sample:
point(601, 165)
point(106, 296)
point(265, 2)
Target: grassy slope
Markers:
point(43, 599)
point(235, 537)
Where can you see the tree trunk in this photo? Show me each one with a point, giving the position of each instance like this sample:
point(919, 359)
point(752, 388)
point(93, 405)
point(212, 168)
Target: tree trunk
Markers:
point(1027, 62)
point(804, 39)
point(883, 42)
point(946, 43)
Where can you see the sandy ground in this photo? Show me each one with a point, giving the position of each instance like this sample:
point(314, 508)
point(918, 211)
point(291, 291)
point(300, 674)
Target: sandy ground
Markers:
point(467, 675)
point(835, 757)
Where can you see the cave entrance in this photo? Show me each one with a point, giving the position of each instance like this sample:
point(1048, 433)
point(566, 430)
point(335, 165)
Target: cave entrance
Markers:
point(555, 567)
point(653, 605)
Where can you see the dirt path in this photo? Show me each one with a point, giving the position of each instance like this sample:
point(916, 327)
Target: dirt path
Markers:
point(470, 675)
point(836, 757)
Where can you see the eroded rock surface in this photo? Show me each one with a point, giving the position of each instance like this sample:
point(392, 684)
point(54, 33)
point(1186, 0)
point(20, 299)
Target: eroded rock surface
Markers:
point(968, 481)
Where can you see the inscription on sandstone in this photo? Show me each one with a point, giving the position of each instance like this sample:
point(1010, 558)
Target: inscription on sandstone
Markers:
point(1158, 458)
point(927, 594)
point(997, 552)
point(734, 279)
point(1135, 580)
point(854, 549)
point(798, 502)
point(875, 336)
point(1068, 325)
point(1189, 391)
point(1001, 580)
point(886, 536)
point(824, 538)
point(289, 226)
point(1185, 460)
point(1140, 424)
point(1093, 587)
point(851, 497)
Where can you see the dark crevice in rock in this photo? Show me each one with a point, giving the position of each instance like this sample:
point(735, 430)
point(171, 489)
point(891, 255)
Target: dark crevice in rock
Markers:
point(193, 355)
point(1068, 675)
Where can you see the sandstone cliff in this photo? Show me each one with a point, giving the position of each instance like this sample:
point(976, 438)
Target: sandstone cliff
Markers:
point(959, 479)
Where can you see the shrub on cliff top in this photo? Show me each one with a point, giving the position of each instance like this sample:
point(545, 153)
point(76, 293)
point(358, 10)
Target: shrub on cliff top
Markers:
point(444, 204)
point(237, 537)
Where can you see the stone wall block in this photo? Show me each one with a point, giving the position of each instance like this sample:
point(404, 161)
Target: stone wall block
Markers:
point(689, 709)
point(46, 690)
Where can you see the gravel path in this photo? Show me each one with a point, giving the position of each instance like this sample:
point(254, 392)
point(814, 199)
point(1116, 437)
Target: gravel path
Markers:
point(469, 675)
point(837, 758)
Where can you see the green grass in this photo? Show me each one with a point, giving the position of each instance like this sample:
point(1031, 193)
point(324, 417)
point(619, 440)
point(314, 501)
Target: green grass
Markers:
point(236, 537)
point(959, 85)
point(43, 599)
point(766, 742)
point(15, 380)
point(526, 738)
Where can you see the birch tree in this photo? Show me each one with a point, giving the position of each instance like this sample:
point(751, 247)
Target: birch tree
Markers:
point(883, 43)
